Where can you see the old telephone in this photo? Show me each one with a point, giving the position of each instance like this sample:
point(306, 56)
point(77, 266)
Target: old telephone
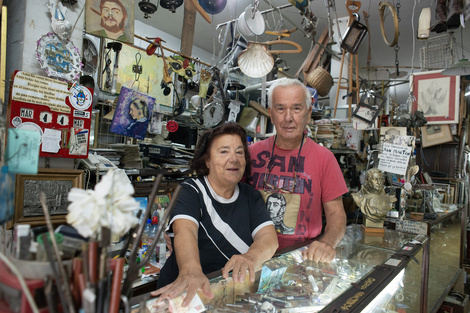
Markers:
point(97, 162)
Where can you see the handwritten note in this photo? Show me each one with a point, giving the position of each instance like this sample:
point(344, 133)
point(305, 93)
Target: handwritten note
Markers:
point(394, 158)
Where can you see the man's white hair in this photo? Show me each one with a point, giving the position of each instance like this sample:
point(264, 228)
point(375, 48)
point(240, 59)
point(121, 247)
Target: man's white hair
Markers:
point(288, 82)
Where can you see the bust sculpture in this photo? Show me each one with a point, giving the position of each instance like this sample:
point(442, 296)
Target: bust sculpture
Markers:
point(372, 199)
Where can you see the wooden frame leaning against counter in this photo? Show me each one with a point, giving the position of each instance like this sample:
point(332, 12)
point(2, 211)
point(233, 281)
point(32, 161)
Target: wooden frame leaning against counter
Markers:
point(55, 183)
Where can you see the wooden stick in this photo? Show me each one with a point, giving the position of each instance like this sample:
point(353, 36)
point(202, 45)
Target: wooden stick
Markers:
point(174, 51)
point(116, 286)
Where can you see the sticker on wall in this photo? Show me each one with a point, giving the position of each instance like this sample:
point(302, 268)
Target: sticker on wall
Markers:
point(60, 59)
point(30, 126)
point(80, 98)
point(78, 141)
point(172, 126)
point(131, 117)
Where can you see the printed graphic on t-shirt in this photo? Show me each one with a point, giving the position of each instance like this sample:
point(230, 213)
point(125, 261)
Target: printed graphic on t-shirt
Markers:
point(282, 193)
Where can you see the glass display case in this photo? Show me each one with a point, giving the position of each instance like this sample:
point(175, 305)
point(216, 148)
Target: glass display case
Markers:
point(370, 273)
point(446, 235)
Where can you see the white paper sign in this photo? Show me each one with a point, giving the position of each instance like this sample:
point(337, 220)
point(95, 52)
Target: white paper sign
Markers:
point(51, 140)
point(394, 158)
point(414, 227)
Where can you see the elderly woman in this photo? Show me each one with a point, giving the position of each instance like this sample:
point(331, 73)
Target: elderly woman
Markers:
point(218, 222)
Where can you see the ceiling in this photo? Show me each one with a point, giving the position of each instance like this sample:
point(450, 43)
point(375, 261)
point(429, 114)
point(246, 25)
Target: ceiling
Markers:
point(381, 55)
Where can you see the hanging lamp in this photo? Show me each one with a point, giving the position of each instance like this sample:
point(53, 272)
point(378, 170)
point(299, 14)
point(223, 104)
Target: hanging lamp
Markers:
point(461, 68)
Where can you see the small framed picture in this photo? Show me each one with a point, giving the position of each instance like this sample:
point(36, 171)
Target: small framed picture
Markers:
point(433, 135)
point(55, 183)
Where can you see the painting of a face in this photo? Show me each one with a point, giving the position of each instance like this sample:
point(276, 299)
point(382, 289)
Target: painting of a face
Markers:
point(112, 17)
point(135, 112)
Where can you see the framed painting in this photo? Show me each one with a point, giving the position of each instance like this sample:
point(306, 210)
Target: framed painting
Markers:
point(433, 135)
point(437, 96)
point(55, 183)
point(136, 70)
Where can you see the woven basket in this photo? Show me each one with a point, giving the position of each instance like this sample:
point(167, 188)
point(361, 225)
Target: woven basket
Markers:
point(321, 80)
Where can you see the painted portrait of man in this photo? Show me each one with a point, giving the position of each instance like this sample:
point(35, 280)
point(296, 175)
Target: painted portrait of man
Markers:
point(112, 19)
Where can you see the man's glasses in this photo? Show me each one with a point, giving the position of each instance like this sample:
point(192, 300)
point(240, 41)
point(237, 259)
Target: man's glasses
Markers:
point(284, 189)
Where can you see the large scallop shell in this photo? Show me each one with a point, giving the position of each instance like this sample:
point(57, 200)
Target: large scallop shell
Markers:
point(255, 61)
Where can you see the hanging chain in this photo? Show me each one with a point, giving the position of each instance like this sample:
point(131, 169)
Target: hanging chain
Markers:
point(397, 48)
point(398, 11)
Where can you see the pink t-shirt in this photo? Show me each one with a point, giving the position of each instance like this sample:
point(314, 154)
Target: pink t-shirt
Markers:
point(319, 179)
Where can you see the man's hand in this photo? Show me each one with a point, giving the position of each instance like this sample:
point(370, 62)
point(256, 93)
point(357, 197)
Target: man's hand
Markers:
point(319, 252)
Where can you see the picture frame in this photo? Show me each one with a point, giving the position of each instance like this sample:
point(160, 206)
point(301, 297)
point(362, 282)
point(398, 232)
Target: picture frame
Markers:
point(369, 108)
point(433, 135)
point(94, 126)
point(131, 58)
point(56, 184)
point(437, 96)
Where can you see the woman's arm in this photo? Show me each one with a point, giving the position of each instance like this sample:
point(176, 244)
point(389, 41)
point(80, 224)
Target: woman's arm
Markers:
point(262, 249)
point(190, 278)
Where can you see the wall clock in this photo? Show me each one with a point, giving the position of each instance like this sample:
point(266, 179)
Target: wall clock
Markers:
point(213, 114)
point(90, 57)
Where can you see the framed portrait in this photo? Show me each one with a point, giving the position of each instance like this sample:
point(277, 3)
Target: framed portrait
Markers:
point(437, 96)
point(55, 183)
point(433, 135)
point(113, 19)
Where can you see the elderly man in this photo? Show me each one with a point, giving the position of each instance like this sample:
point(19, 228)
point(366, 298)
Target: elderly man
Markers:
point(306, 174)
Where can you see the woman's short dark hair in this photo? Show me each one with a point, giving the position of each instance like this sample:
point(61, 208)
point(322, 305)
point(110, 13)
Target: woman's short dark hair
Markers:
point(202, 152)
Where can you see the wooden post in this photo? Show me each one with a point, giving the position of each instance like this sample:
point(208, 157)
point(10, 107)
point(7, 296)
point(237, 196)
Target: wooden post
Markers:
point(187, 33)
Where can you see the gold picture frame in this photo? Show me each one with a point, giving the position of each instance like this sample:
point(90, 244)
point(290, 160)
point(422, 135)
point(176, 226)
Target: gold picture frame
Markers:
point(55, 183)
point(436, 134)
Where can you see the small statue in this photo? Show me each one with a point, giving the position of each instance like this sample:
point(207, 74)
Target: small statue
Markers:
point(372, 199)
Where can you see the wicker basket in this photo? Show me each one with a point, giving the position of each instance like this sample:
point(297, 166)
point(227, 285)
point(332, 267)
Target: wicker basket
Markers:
point(321, 80)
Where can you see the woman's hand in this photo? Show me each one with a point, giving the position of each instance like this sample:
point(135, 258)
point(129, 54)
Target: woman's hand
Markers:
point(262, 249)
point(189, 282)
point(239, 264)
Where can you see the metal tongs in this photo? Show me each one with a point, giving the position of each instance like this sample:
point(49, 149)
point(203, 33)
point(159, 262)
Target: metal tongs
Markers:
point(134, 266)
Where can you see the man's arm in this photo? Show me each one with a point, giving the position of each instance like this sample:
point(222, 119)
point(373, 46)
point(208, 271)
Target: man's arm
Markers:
point(323, 250)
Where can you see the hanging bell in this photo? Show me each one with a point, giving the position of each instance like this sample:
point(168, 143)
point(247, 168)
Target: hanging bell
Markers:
point(171, 5)
point(147, 7)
